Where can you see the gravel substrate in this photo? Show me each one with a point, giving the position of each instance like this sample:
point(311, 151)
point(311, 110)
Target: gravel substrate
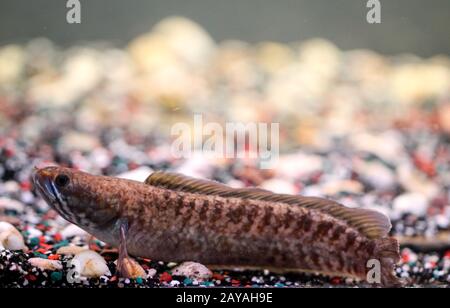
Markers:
point(45, 232)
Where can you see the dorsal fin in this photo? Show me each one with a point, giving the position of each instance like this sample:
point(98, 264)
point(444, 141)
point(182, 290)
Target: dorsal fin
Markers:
point(371, 223)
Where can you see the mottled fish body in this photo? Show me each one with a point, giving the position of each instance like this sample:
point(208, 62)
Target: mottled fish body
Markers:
point(172, 217)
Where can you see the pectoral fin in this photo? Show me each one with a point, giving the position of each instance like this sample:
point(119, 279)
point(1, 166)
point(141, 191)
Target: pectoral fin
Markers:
point(122, 270)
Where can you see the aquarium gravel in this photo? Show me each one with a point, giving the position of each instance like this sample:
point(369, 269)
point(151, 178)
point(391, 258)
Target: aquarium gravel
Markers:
point(44, 232)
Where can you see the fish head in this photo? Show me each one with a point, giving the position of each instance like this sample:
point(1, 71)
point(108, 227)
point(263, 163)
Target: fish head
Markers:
point(77, 196)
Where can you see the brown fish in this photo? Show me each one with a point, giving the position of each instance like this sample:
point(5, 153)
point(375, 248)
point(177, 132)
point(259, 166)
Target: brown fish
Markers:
point(172, 217)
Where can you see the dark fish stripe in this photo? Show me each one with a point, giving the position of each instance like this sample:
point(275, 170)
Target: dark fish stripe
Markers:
point(60, 202)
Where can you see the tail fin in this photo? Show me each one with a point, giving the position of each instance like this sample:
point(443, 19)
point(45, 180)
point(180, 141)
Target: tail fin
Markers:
point(387, 253)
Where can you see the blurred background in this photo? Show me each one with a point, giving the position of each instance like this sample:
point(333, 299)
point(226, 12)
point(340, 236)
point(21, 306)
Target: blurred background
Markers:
point(410, 26)
point(364, 109)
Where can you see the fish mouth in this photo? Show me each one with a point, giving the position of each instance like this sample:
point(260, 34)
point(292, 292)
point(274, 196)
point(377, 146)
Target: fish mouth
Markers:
point(42, 180)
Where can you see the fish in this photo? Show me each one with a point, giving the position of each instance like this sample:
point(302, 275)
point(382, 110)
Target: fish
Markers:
point(173, 217)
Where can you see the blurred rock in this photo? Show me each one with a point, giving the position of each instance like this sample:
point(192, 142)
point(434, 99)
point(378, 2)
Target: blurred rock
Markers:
point(11, 238)
point(415, 181)
point(392, 149)
point(342, 186)
point(192, 270)
point(279, 186)
point(320, 57)
point(410, 203)
point(444, 117)
point(72, 230)
point(172, 40)
point(10, 204)
point(140, 174)
point(77, 141)
point(417, 83)
point(273, 56)
point(12, 61)
point(295, 166)
point(376, 174)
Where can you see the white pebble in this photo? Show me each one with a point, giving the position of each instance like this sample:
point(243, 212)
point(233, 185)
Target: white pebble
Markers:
point(73, 230)
point(199, 165)
point(235, 183)
point(414, 181)
point(76, 141)
point(70, 250)
point(10, 187)
point(46, 264)
point(377, 174)
point(11, 238)
point(174, 283)
point(151, 273)
point(298, 165)
point(101, 157)
point(442, 221)
point(11, 204)
point(410, 203)
point(391, 151)
point(4, 226)
point(279, 186)
point(192, 270)
point(140, 174)
point(33, 232)
point(90, 264)
point(312, 191)
point(336, 186)
point(27, 197)
point(41, 205)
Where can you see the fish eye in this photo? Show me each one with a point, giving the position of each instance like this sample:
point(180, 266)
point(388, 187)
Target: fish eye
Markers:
point(62, 180)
